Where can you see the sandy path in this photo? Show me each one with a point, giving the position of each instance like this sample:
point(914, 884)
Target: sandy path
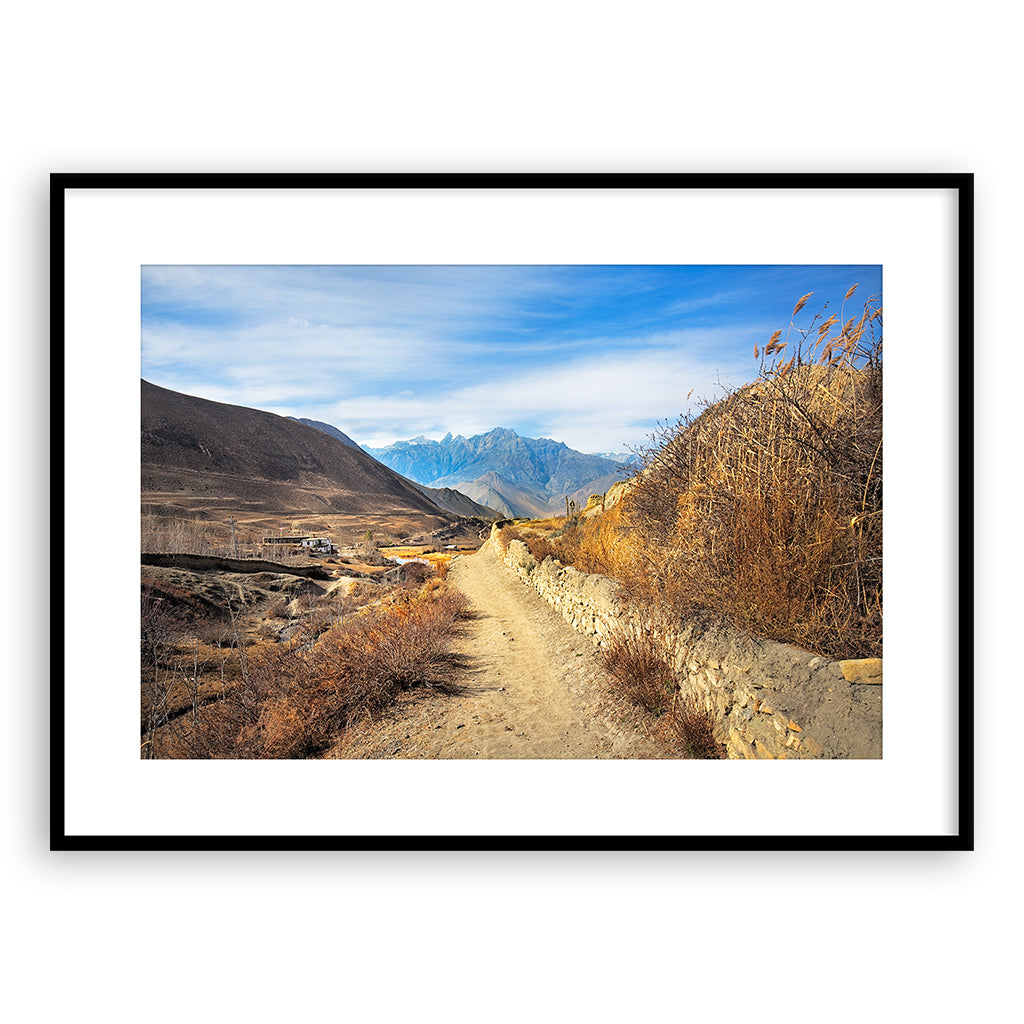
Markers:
point(530, 683)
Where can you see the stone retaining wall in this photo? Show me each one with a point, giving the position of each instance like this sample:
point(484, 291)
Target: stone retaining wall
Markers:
point(768, 700)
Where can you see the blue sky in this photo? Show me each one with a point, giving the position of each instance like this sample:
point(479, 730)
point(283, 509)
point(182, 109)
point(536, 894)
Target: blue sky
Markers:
point(595, 356)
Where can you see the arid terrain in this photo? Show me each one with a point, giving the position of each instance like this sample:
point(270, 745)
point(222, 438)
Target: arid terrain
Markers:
point(518, 682)
point(409, 635)
point(532, 686)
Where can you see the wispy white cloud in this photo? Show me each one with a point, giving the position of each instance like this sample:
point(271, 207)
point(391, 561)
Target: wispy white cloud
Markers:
point(593, 356)
point(599, 403)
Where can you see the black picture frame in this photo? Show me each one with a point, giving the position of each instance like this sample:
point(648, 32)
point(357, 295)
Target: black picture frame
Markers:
point(960, 415)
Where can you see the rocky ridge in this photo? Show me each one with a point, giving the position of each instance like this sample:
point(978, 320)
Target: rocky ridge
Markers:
point(517, 476)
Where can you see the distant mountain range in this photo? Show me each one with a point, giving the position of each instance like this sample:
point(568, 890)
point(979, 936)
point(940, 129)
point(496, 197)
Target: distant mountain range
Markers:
point(518, 476)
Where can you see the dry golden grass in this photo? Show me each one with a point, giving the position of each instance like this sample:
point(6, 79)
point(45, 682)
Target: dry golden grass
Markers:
point(435, 558)
point(544, 525)
point(767, 508)
point(644, 676)
point(405, 550)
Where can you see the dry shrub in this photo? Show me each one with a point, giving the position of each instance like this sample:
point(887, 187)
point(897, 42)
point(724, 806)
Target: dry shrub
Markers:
point(541, 548)
point(277, 608)
point(549, 524)
point(595, 545)
point(416, 573)
point(767, 508)
point(638, 664)
point(229, 726)
point(293, 702)
point(284, 728)
point(693, 725)
point(194, 533)
point(533, 535)
point(160, 627)
point(405, 645)
point(506, 535)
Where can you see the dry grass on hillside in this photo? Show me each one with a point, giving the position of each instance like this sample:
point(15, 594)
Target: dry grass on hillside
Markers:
point(765, 509)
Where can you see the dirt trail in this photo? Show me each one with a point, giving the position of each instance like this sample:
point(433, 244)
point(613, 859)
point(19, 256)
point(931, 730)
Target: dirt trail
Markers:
point(530, 684)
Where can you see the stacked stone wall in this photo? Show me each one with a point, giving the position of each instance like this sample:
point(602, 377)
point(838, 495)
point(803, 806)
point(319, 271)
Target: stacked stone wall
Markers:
point(768, 700)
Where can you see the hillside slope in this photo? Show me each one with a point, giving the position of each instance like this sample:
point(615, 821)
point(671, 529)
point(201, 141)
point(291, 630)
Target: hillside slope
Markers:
point(459, 503)
point(327, 428)
point(207, 452)
point(508, 498)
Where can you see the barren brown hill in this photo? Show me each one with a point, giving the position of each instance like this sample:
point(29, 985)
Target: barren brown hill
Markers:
point(196, 452)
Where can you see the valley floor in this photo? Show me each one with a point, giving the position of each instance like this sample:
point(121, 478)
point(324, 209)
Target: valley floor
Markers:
point(531, 686)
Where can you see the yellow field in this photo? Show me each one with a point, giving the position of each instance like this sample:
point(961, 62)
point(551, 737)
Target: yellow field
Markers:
point(417, 551)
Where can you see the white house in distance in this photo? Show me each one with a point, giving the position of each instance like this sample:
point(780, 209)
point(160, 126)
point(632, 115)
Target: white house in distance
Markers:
point(318, 545)
point(321, 545)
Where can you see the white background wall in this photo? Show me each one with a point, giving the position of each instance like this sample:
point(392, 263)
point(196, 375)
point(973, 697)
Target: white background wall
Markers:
point(458, 87)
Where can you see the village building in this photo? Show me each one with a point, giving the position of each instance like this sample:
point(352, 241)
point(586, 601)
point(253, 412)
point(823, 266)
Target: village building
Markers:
point(318, 545)
point(321, 545)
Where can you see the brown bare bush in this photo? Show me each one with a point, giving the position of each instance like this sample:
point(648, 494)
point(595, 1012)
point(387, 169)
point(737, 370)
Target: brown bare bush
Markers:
point(540, 547)
point(638, 664)
point(417, 573)
point(506, 535)
point(294, 702)
point(402, 646)
point(277, 608)
point(693, 726)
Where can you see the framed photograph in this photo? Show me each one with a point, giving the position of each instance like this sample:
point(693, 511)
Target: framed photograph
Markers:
point(486, 512)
